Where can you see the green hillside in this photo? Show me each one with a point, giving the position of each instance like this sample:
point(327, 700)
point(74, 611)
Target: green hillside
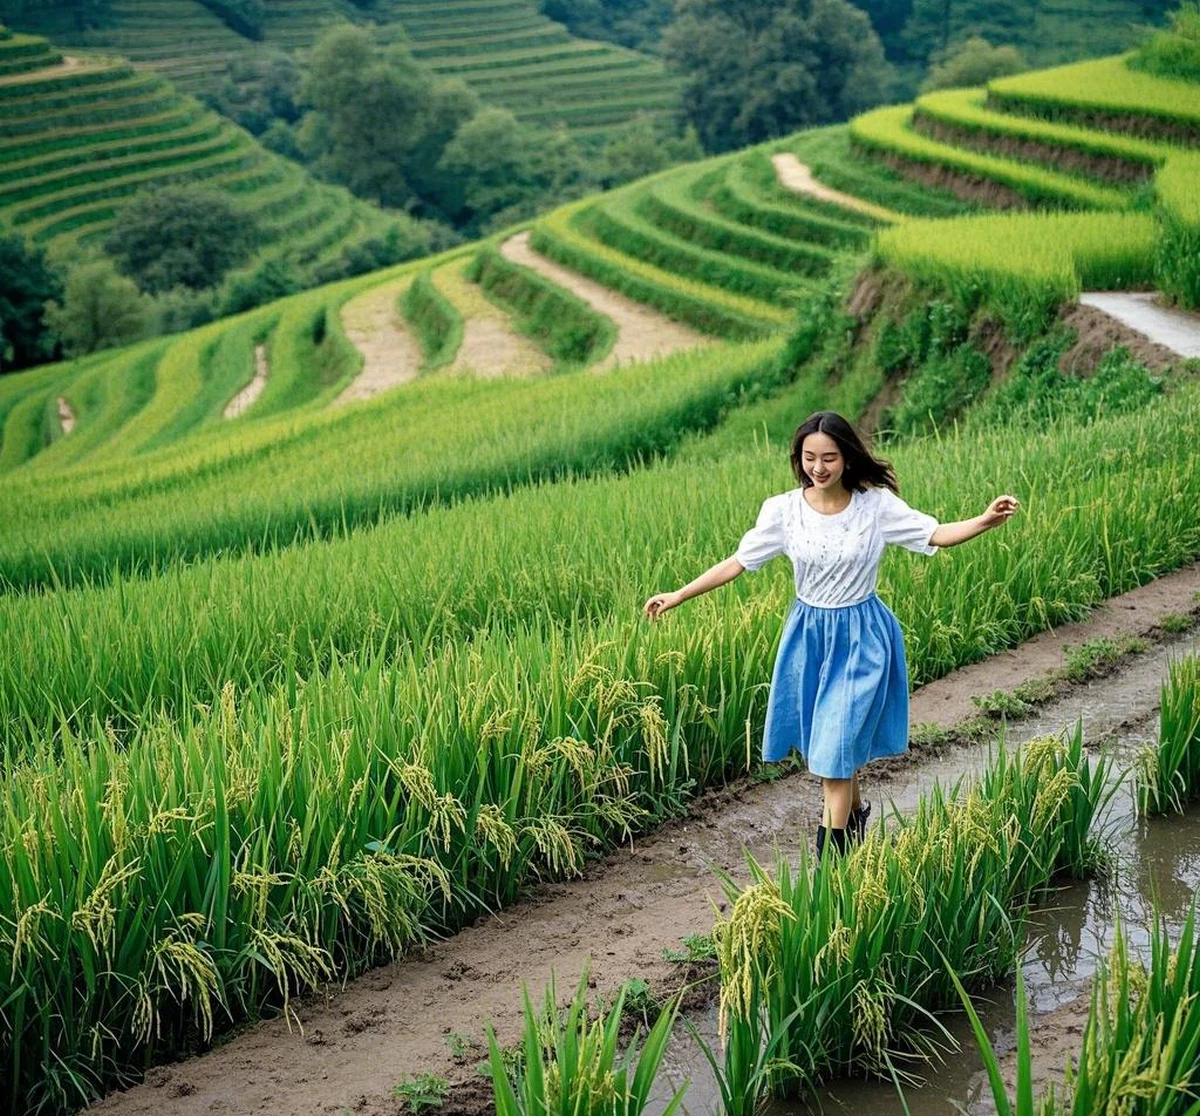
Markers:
point(83, 134)
point(291, 684)
point(506, 50)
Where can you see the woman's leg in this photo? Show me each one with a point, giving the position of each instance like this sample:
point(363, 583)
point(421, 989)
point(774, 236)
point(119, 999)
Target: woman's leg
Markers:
point(855, 793)
point(838, 802)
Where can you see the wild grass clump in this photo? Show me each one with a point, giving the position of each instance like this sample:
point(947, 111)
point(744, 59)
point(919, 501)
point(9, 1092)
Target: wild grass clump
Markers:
point(1170, 773)
point(1175, 51)
point(836, 971)
point(573, 1066)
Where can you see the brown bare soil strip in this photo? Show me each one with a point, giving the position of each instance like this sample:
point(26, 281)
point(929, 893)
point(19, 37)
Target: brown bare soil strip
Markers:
point(1131, 124)
point(391, 354)
point(1058, 157)
point(248, 396)
point(352, 1046)
point(491, 346)
point(798, 177)
point(66, 416)
point(642, 333)
point(1141, 312)
point(69, 64)
point(969, 187)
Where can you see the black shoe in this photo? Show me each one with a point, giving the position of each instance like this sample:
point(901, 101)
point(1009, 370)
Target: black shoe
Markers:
point(836, 838)
point(856, 824)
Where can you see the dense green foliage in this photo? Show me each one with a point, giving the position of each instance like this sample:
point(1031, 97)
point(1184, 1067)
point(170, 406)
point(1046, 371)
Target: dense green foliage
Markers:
point(632, 23)
point(100, 309)
point(187, 235)
point(27, 283)
point(975, 62)
point(1175, 52)
point(762, 70)
point(246, 17)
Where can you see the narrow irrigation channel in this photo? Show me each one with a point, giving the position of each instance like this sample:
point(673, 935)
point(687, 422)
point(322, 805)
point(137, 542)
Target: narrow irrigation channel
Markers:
point(1156, 866)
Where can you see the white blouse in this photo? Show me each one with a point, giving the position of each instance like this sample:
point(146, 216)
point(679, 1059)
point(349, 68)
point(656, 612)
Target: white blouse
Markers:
point(836, 557)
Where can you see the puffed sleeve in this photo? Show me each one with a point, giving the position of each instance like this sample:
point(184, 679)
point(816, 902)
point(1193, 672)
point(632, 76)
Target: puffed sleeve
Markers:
point(766, 539)
point(903, 525)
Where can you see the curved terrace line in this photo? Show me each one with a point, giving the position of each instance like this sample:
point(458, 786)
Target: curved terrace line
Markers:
point(66, 417)
point(391, 354)
point(642, 333)
point(797, 177)
point(248, 396)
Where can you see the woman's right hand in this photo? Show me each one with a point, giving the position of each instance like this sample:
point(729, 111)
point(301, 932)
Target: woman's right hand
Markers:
point(660, 603)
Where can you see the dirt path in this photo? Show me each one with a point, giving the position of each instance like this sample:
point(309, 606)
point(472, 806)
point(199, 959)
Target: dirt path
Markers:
point(66, 416)
point(642, 333)
point(491, 346)
point(391, 354)
point(69, 64)
point(1178, 330)
point(248, 396)
point(402, 1019)
point(797, 177)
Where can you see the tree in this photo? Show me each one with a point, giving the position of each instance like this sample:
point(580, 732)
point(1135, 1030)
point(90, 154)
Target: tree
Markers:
point(378, 113)
point(100, 309)
point(498, 165)
point(185, 235)
point(642, 147)
point(974, 62)
point(761, 68)
point(27, 283)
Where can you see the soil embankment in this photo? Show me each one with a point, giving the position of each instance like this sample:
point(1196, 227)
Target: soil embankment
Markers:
point(248, 396)
point(642, 333)
point(391, 354)
point(407, 1018)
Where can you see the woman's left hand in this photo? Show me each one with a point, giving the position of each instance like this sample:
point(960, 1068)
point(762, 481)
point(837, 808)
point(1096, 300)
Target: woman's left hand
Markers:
point(1000, 510)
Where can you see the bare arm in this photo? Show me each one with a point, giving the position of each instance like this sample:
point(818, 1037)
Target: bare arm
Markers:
point(712, 578)
point(999, 511)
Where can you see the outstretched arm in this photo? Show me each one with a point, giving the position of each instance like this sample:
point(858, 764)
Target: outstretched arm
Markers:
point(712, 578)
point(1000, 510)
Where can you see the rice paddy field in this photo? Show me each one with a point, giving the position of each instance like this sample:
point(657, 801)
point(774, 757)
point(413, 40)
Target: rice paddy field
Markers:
point(79, 137)
point(296, 689)
point(507, 50)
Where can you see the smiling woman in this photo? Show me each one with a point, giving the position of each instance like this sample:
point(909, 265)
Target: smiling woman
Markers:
point(839, 689)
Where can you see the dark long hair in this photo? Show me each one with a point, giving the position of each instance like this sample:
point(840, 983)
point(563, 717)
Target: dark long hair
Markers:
point(862, 469)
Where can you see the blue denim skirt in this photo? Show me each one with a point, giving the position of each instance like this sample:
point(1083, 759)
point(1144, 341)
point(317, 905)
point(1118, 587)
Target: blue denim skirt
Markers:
point(839, 691)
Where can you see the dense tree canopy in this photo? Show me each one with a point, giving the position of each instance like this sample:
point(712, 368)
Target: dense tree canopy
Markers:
point(632, 23)
point(975, 62)
point(100, 310)
point(762, 68)
point(27, 282)
point(185, 235)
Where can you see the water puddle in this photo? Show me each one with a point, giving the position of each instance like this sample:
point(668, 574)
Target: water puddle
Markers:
point(1157, 862)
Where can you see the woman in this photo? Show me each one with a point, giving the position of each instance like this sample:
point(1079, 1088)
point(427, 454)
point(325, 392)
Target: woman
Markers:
point(839, 691)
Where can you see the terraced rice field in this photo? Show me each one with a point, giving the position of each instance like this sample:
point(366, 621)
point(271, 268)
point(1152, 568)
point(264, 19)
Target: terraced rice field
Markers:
point(83, 135)
point(295, 682)
point(507, 50)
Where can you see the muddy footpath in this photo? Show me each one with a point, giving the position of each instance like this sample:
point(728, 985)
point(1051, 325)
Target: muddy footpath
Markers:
point(346, 1050)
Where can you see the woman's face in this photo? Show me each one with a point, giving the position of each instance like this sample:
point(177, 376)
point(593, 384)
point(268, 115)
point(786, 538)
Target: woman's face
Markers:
point(822, 461)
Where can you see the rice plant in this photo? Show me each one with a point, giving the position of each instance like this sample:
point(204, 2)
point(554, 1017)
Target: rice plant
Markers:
point(1138, 1054)
point(1169, 775)
point(575, 1067)
point(839, 970)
